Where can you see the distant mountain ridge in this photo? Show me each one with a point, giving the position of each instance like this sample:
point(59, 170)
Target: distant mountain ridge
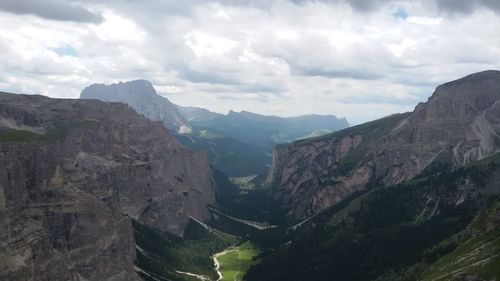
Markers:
point(268, 130)
point(196, 114)
point(140, 95)
point(239, 143)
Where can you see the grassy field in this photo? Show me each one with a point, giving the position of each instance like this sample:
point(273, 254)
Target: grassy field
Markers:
point(478, 255)
point(55, 133)
point(163, 254)
point(235, 262)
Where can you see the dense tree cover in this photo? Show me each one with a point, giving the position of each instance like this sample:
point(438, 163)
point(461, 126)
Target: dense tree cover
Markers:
point(477, 253)
point(382, 233)
point(256, 204)
point(163, 254)
point(234, 157)
point(388, 233)
point(241, 144)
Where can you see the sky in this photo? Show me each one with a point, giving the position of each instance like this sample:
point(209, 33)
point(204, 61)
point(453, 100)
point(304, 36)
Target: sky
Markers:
point(362, 59)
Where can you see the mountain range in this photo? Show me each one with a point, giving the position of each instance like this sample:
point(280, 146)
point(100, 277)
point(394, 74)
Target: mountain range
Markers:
point(239, 143)
point(412, 196)
point(92, 190)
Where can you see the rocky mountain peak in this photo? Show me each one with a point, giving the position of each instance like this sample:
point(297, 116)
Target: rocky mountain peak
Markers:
point(482, 75)
point(459, 124)
point(465, 97)
point(135, 88)
point(141, 96)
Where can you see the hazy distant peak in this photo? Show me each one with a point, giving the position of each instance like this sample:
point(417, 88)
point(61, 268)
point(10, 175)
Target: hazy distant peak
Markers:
point(129, 88)
point(193, 114)
point(140, 95)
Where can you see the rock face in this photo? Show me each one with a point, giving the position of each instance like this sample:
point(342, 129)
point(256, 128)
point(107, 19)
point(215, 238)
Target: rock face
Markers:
point(73, 173)
point(459, 124)
point(141, 96)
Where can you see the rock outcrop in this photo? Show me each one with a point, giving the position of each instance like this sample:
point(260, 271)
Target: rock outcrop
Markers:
point(460, 123)
point(72, 175)
point(141, 96)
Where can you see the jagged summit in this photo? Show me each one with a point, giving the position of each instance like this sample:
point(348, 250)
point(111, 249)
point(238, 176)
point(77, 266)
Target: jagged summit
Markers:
point(140, 95)
point(139, 87)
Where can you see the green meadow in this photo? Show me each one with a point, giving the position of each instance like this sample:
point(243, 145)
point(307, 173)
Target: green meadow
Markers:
point(236, 261)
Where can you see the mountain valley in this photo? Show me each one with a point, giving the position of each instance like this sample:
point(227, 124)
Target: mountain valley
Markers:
point(91, 190)
point(238, 143)
point(250, 140)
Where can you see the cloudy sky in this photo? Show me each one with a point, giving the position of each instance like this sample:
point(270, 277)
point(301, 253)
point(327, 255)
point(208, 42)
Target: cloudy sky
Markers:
point(361, 59)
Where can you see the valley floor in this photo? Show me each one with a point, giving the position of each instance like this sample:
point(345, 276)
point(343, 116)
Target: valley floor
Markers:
point(233, 263)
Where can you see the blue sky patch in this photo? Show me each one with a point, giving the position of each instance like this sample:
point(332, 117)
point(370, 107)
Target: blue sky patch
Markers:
point(66, 50)
point(400, 13)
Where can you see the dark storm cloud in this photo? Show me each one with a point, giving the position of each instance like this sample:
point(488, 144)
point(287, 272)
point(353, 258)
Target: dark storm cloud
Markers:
point(196, 76)
point(358, 5)
point(50, 9)
point(450, 6)
point(467, 6)
point(358, 74)
point(227, 83)
point(364, 5)
point(456, 6)
point(184, 7)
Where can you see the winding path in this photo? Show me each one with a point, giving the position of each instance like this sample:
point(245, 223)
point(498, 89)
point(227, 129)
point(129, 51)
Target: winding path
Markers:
point(217, 264)
point(198, 276)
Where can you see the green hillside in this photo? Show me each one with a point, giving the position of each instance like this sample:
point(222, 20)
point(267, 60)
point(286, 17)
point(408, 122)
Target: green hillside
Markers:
point(478, 253)
point(163, 254)
point(387, 233)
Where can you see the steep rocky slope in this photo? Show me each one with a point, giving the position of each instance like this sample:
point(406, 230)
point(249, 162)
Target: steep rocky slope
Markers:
point(73, 173)
point(422, 229)
point(477, 257)
point(141, 96)
point(459, 124)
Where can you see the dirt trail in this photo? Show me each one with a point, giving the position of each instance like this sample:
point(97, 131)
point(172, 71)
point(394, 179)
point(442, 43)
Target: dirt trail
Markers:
point(216, 262)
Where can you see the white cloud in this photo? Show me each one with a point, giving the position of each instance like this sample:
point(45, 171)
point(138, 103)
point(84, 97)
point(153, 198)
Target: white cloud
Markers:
point(117, 28)
point(423, 20)
point(205, 44)
point(274, 57)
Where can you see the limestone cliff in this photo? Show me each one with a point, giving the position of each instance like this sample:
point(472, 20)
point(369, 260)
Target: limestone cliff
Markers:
point(73, 173)
point(142, 97)
point(460, 123)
